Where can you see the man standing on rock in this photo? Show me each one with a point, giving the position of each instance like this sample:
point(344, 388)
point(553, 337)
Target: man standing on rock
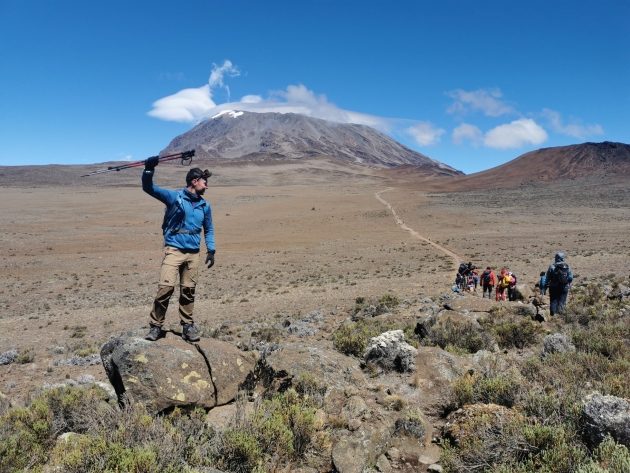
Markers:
point(559, 278)
point(187, 213)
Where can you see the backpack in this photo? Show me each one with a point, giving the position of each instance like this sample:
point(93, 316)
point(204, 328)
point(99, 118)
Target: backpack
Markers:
point(174, 216)
point(560, 274)
point(512, 279)
point(486, 278)
point(462, 268)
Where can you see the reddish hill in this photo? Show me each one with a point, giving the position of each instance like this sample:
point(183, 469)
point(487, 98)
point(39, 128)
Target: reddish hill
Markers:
point(605, 159)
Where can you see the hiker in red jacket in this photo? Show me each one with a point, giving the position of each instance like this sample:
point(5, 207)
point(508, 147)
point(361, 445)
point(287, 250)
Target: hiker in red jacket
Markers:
point(488, 281)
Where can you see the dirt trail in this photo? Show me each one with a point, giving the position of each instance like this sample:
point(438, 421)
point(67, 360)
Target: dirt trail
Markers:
point(400, 222)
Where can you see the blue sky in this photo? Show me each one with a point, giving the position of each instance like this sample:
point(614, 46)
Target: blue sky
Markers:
point(472, 84)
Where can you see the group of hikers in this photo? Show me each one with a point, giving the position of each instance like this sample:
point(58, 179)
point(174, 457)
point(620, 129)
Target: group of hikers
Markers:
point(187, 214)
point(557, 279)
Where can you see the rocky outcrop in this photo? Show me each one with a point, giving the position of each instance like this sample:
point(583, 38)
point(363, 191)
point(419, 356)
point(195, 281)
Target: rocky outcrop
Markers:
point(284, 367)
point(605, 415)
point(556, 343)
point(390, 352)
point(171, 373)
point(353, 451)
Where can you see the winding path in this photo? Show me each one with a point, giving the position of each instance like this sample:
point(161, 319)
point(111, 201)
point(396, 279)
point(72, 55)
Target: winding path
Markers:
point(400, 222)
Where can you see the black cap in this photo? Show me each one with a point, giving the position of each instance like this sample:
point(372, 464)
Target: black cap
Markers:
point(197, 173)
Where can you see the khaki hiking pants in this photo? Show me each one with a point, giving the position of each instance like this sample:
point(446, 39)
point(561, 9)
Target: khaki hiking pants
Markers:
point(186, 265)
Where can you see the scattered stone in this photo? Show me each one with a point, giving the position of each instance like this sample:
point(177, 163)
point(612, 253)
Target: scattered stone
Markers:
point(390, 351)
point(67, 436)
point(89, 360)
point(556, 343)
point(472, 304)
point(435, 468)
point(354, 424)
point(383, 465)
point(423, 326)
point(523, 292)
point(86, 379)
point(605, 415)
point(620, 292)
point(439, 368)
point(354, 450)
point(8, 357)
point(354, 408)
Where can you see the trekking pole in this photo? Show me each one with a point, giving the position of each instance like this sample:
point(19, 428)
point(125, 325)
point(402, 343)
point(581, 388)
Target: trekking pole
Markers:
point(185, 157)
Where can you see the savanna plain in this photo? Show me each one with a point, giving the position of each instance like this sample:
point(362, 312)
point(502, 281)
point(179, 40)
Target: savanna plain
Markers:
point(81, 260)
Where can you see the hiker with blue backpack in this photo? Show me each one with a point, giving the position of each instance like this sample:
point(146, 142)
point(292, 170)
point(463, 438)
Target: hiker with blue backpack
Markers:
point(558, 280)
point(187, 215)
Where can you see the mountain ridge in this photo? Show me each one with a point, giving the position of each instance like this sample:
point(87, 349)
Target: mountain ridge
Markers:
point(237, 135)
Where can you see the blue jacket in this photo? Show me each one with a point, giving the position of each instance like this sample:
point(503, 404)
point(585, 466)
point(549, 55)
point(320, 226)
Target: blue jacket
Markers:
point(185, 216)
point(543, 281)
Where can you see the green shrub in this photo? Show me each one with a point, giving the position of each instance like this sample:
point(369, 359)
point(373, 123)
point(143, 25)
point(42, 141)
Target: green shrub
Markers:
point(82, 453)
point(463, 335)
point(514, 333)
point(352, 338)
point(609, 457)
point(240, 451)
point(503, 389)
point(411, 424)
point(388, 300)
point(34, 429)
point(280, 429)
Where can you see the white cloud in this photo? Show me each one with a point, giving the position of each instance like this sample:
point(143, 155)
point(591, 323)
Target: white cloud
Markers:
point(251, 99)
point(196, 104)
point(218, 72)
point(425, 133)
point(524, 131)
point(467, 132)
point(487, 101)
point(187, 105)
point(575, 130)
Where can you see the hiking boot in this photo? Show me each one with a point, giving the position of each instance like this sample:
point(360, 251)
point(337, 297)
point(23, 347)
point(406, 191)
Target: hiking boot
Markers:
point(155, 333)
point(190, 333)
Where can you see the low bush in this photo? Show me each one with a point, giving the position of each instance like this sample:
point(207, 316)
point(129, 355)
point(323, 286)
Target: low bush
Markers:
point(503, 389)
point(514, 332)
point(549, 393)
point(280, 430)
point(465, 336)
point(352, 338)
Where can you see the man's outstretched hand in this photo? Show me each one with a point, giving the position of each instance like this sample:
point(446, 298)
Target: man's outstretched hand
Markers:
point(210, 259)
point(150, 163)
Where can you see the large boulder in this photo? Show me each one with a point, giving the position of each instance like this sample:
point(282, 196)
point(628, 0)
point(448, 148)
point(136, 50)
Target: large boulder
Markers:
point(172, 373)
point(390, 351)
point(605, 415)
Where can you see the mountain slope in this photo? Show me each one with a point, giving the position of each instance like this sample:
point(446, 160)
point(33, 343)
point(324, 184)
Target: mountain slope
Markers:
point(237, 135)
point(554, 164)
